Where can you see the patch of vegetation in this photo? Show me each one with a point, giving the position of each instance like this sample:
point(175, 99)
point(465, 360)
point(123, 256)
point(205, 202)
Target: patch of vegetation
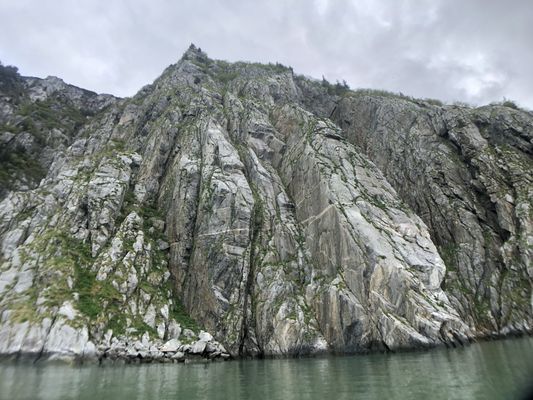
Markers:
point(37, 118)
point(435, 102)
point(93, 295)
point(128, 205)
point(510, 103)
point(392, 95)
point(53, 113)
point(116, 146)
point(226, 76)
point(117, 324)
point(11, 128)
point(225, 72)
point(24, 309)
point(10, 82)
point(141, 327)
point(88, 303)
point(482, 310)
point(19, 165)
point(462, 104)
point(72, 255)
point(258, 210)
point(277, 67)
point(149, 212)
point(337, 89)
point(378, 202)
point(449, 252)
point(179, 313)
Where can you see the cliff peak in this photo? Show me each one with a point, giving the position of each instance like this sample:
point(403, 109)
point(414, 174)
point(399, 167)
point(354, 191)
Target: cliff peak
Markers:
point(282, 215)
point(194, 53)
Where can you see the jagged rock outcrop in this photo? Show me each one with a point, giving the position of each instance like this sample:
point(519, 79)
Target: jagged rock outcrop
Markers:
point(38, 117)
point(223, 196)
point(468, 174)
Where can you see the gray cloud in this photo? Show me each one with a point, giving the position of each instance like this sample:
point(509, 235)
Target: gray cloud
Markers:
point(476, 51)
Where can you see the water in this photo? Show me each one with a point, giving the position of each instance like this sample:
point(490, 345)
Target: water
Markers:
point(491, 370)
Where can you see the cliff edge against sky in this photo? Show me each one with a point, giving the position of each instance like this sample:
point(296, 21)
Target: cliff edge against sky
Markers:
point(281, 214)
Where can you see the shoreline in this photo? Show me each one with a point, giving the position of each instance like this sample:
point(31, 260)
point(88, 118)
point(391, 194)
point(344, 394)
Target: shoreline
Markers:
point(206, 357)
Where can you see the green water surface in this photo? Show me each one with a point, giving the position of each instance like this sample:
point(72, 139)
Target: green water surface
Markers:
point(489, 370)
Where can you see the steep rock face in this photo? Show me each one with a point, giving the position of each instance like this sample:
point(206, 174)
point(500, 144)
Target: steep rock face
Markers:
point(37, 118)
point(468, 174)
point(373, 265)
point(222, 196)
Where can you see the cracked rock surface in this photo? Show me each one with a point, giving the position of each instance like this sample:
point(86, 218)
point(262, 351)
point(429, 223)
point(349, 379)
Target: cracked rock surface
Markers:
point(232, 210)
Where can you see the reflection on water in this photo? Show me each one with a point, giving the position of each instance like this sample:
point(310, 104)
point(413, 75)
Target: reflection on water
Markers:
point(493, 370)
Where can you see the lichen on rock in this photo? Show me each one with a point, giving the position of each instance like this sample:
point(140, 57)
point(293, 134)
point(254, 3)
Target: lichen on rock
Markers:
point(230, 210)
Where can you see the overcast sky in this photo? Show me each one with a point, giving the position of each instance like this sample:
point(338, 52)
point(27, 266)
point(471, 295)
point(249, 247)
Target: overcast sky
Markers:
point(476, 51)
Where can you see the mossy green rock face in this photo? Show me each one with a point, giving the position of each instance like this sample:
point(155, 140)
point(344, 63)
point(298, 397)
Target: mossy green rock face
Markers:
point(223, 198)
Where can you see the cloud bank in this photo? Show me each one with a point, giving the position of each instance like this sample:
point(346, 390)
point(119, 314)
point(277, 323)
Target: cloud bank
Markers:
point(476, 51)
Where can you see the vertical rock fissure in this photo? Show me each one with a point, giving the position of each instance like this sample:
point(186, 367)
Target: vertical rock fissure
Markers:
point(256, 223)
point(196, 226)
point(41, 352)
point(280, 234)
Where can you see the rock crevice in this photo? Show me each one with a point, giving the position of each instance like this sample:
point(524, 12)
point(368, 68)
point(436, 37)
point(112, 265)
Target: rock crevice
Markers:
point(279, 214)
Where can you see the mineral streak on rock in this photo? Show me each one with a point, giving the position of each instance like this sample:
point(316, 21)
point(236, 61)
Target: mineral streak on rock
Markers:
point(232, 210)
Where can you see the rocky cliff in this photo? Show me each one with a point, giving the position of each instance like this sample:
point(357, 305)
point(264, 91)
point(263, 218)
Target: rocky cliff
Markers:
point(281, 214)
